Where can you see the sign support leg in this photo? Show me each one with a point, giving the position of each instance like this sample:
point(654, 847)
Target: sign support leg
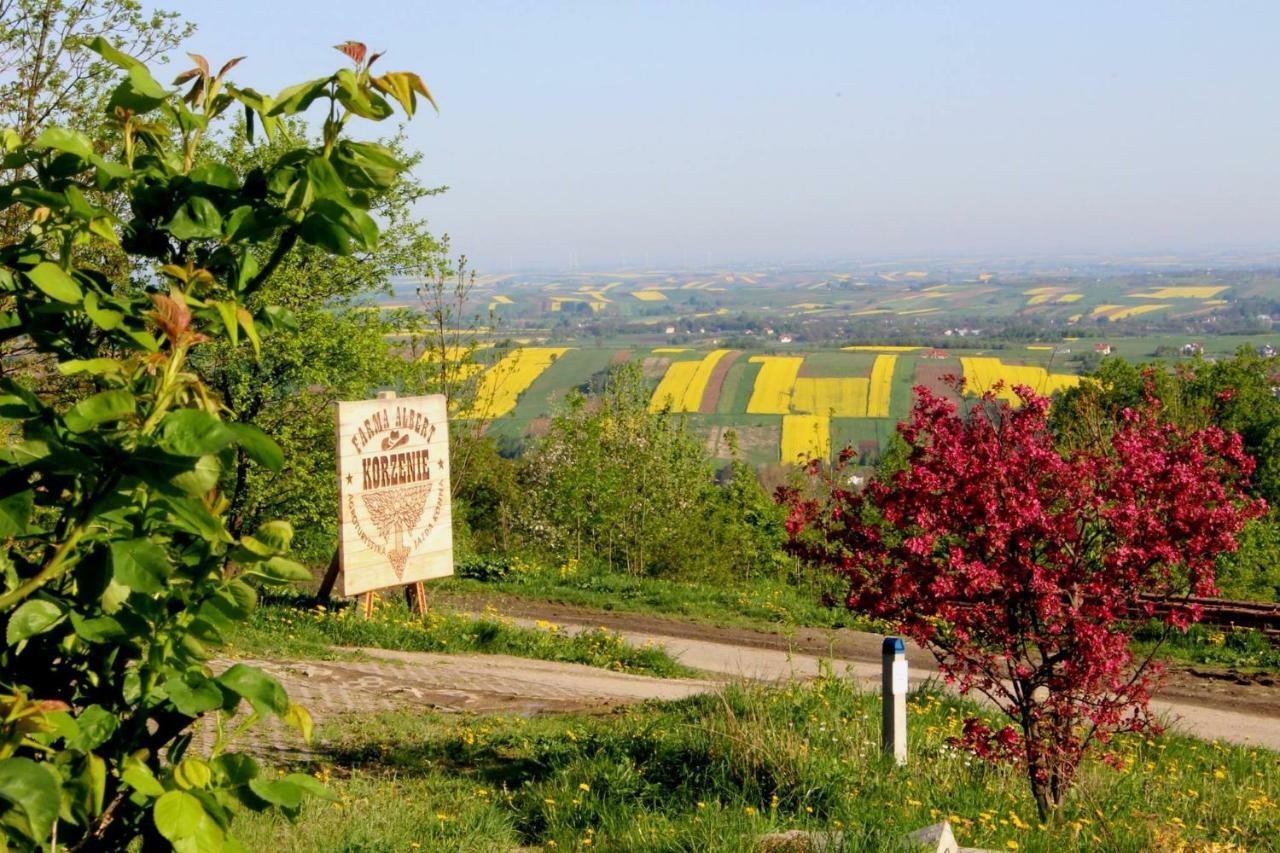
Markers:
point(330, 578)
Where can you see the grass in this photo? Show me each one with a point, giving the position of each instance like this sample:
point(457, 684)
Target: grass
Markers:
point(1240, 648)
point(762, 603)
point(716, 772)
point(296, 628)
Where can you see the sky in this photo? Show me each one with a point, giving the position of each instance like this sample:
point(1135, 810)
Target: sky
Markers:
point(610, 134)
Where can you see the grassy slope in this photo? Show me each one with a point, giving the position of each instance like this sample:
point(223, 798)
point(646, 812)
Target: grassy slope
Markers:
point(764, 604)
point(713, 773)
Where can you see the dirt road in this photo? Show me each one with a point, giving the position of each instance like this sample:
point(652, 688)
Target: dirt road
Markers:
point(1239, 710)
point(1210, 704)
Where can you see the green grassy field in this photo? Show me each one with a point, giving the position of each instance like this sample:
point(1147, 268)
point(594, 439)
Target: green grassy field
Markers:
point(717, 772)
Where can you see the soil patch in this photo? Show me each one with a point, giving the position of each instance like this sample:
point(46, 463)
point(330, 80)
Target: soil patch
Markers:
point(711, 396)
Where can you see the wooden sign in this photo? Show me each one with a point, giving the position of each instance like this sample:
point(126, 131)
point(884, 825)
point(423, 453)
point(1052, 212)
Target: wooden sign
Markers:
point(395, 526)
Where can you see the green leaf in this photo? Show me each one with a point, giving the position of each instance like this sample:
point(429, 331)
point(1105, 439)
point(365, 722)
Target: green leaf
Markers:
point(55, 282)
point(69, 141)
point(23, 453)
point(192, 772)
point(262, 691)
point(193, 699)
point(138, 92)
point(366, 165)
point(34, 790)
point(246, 323)
point(96, 725)
point(338, 228)
point(177, 815)
point(15, 514)
point(96, 778)
point(197, 219)
point(283, 570)
point(99, 409)
point(235, 768)
point(227, 312)
point(288, 791)
point(297, 98)
point(260, 447)
point(200, 477)
point(34, 616)
point(104, 48)
point(104, 318)
point(140, 564)
point(324, 179)
point(216, 175)
point(194, 517)
point(92, 366)
point(99, 629)
point(276, 535)
point(139, 777)
point(193, 432)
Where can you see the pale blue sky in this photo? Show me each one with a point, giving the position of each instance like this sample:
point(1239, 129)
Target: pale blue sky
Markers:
point(626, 133)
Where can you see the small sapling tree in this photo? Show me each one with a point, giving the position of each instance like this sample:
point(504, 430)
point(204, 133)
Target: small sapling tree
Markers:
point(1021, 567)
point(118, 571)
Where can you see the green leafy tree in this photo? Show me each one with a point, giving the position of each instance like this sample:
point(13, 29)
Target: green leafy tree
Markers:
point(338, 347)
point(633, 489)
point(119, 571)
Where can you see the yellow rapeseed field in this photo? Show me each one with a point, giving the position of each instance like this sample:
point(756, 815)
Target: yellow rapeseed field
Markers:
point(982, 374)
point(649, 295)
point(503, 300)
point(1067, 298)
point(805, 437)
point(771, 394)
point(1204, 292)
point(672, 388)
point(880, 386)
point(502, 384)
point(684, 383)
point(840, 397)
point(698, 382)
point(670, 349)
point(1135, 310)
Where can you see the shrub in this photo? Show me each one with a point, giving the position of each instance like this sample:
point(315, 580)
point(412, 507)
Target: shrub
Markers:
point(1020, 566)
point(117, 573)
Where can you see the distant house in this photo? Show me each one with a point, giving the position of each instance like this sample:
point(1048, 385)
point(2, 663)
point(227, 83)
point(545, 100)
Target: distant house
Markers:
point(1267, 351)
point(671, 330)
point(1192, 348)
point(784, 339)
point(934, 352)
point(1103, 349)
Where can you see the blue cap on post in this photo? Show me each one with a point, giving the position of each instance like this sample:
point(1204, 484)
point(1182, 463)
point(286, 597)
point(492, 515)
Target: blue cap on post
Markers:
point(892, 646)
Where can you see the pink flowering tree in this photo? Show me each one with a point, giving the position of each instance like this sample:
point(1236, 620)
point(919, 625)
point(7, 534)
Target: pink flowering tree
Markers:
point(1023, 567)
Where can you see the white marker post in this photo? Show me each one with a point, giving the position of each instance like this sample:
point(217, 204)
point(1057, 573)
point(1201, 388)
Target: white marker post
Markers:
point(893, 730)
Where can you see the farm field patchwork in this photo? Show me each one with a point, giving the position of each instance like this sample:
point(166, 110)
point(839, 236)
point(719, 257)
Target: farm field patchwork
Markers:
point(862, 390)
point(501, 385)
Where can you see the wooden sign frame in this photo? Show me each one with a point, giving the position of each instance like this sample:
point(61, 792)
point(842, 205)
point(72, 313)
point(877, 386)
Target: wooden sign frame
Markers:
point(394, 514)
